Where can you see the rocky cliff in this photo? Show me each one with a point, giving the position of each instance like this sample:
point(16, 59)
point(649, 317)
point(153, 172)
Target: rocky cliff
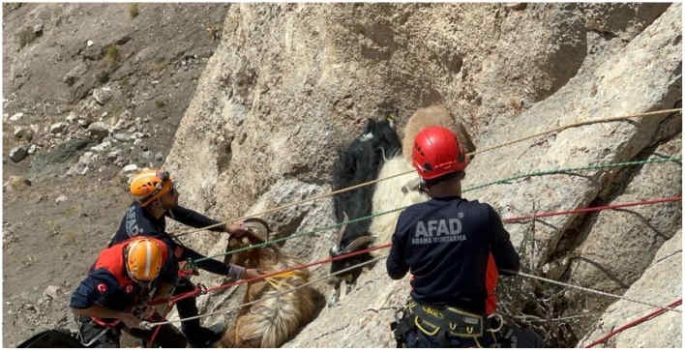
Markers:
point(289, 83)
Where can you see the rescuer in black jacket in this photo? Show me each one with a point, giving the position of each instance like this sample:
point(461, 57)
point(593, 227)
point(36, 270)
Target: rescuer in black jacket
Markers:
point(445, 243)
point(157, 198)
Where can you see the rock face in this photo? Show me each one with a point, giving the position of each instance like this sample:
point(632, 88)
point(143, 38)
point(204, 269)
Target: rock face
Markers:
point(658, 286)
point(622, 243)
point(290, 82)
point(287, 87)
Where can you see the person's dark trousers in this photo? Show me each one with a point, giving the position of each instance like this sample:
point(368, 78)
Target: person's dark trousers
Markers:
point(90, 330)
point(197, 335)
point(168, 336)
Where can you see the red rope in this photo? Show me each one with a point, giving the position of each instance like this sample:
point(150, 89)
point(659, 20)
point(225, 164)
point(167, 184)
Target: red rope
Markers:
point(244, 281)
point(634, 323)
point(592, 209)
point(197, 291)
point(171, 301)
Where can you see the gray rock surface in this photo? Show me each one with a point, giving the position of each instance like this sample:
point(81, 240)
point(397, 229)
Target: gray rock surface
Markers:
point(23, 133)
point(287, 87)
point(99, 130)
point(272, 106)
point(661, 285)
point(623, 242)
point(18, 153)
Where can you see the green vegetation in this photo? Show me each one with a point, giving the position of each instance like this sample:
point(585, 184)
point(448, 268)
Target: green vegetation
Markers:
point(159, 103)
point(112, 54)
point(133, 10)
point(103, 77)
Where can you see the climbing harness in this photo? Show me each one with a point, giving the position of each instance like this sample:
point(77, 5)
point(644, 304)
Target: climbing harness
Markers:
point(443, 322)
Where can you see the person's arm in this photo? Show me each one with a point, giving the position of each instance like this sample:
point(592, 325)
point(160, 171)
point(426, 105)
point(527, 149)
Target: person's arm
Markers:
point(91, 296)
point(396, 264)
point(503, 250)
point(98, 311)
point(195, 220)
point(213, 266)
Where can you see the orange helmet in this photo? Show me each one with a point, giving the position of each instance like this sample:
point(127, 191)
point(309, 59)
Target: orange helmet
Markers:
point(150, 184)
point(144, 258)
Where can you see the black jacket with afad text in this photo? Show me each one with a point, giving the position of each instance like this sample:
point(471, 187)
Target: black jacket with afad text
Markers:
point(445, 243)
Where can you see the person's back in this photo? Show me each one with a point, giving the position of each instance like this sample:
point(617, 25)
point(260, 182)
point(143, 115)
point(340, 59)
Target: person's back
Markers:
point(447, 244)
point(117, 288)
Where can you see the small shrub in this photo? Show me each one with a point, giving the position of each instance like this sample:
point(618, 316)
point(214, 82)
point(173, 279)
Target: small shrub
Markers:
point(103, 77)
point(133, 10)
point(112, 55)
point(159, 103)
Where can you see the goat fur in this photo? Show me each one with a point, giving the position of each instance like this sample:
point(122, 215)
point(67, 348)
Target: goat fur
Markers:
point(435, 115)
point(359, 162)
point(393, 193)
point(276, 319)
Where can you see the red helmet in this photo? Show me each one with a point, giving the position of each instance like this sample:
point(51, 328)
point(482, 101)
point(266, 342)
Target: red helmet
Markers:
point(437, 152)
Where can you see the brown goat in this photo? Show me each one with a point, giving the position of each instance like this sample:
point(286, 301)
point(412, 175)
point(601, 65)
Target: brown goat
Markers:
point(277, 317)
point(435, 115)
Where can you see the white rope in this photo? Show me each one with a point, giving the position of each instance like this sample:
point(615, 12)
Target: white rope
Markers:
point(598, 292)
point(525, 275)
point(476, 152)
point(226, 310)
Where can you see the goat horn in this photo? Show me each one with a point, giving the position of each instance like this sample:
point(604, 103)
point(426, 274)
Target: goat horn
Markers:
point(359, 243)
point(342, 229)
point(257, 227)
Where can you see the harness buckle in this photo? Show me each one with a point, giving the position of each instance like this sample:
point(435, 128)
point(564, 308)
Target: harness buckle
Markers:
point(495, 318)
point(455, 322)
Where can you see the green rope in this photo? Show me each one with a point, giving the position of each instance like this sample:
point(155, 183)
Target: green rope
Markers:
point(563, 170)
point(502, 181)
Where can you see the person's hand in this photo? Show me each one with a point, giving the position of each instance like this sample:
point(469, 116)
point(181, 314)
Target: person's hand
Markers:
point(130, 320)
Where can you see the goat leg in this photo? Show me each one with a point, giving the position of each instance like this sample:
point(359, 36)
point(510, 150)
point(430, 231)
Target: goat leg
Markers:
point(335, 295)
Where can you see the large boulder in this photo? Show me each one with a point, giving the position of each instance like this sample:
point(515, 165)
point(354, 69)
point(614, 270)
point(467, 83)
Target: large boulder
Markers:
point(305, 74)
point(660, 285)
point(622, 243)
point(609, 88)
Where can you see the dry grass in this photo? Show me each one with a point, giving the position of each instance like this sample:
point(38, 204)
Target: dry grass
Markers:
point(133, 10)
point(112, 54)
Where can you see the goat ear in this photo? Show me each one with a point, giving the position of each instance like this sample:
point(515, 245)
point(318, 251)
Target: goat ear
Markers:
point(412, 185)
point(358, 243)
point(370, 126)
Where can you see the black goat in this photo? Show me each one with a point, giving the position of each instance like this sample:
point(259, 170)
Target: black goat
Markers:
point(359, 162)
